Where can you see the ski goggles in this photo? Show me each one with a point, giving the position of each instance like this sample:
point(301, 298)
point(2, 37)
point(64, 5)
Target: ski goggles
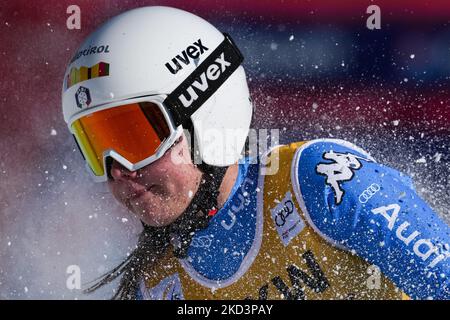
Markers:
point(137, 132)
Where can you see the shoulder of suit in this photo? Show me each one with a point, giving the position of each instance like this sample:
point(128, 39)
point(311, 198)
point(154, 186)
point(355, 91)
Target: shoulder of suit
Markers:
point(323, 172)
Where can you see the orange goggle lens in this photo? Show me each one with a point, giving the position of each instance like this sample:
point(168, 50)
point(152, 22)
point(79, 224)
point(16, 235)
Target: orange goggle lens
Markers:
point(135, 131)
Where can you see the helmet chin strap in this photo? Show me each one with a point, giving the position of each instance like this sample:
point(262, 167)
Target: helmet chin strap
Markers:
point(198, 214)
point(201, 209)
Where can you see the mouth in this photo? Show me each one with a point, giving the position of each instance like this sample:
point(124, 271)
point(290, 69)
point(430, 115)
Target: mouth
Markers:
point(137, 193)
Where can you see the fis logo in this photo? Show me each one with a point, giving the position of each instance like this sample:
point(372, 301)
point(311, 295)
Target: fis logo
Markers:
point(201, 85)
point(193, 52)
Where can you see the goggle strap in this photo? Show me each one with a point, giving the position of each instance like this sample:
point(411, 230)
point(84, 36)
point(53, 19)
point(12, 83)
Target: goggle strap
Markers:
point(227, 58)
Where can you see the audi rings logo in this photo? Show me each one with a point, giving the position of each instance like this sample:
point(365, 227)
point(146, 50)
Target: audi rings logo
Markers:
point(369, 193)
point(202, 241)
point(280, 217)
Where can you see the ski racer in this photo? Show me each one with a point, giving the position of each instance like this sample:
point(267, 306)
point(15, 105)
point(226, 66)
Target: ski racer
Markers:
point(152, 80)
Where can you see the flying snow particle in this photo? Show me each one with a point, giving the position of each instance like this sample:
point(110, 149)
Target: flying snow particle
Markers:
point(190, 194)
point(395, 122)
point(421, 160)
point(124, 220)
point(273, 46)
point(437, 157)
point(9, 244)
point(412, 56)
point(25, 289)
point(291, 37)
point(53, 132)
point(64, 167)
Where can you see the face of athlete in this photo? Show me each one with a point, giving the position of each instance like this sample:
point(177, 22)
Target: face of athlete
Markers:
point(160, 192)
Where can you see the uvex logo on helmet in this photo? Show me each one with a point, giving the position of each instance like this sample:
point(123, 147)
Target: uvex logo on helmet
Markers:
point(203, 82)
point(194, 51)
point(201, 85)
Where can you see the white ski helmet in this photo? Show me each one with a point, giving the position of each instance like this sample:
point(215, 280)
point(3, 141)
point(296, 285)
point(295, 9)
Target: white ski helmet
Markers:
point(173, 59)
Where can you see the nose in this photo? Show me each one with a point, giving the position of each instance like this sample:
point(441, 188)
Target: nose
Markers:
point(119, 172)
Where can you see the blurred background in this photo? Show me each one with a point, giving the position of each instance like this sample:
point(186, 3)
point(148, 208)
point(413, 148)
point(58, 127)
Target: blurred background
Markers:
point(314, 69)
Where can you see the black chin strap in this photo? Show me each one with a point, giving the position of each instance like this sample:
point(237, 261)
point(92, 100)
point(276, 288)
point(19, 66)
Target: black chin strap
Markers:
point(197, 214)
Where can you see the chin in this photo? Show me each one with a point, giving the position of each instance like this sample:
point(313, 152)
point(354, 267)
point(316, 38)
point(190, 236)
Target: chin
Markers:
point(153, 218)
point(156, 223)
